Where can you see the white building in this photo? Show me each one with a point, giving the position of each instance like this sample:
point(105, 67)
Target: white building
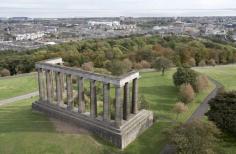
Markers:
point(106, 23)
point(29, 36)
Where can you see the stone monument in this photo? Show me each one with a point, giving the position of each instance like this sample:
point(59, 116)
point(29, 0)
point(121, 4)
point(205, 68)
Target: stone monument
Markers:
point(55, 82)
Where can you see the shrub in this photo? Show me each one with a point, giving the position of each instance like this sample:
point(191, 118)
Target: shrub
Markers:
point(202, 63)
point(223, 111)
point(179, 108)
point(143, 103)
point(137, 66)
point(192, 62)
point(185, 75)
point(212, 62)
point(145, 64)
point(186, 93)
point(196, 137)
point(88, 66)
point(202, 83)
point(102, 71)
point(5, 72)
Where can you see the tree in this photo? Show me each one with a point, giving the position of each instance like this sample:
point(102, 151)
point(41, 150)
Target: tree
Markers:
point(118, 67)
point(162, 64)
point(201, 83)
point(223, 111)
point(196, 137)
point(185, 75)
point(179, 108)
point(186, 93)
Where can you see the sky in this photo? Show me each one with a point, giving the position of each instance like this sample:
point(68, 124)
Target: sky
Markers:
point(108, 8)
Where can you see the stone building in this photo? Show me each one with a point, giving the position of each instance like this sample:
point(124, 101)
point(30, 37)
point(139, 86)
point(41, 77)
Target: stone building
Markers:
point(55, 82)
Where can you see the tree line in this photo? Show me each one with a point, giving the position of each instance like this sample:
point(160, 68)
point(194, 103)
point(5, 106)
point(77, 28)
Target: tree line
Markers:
point(120, 55)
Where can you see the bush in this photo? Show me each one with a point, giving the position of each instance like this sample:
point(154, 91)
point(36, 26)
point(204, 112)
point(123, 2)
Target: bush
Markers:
point(197, 137)
point(145, 64)
point(137, 66)
point(143, 103)
point(186, 93)
point(223, 111)
point(192, 62)
point(179, 108)
point(5, 72)
point(212, 62)
point(88, 66)
point(185, 75)
point(202, 63)
point(202, 83)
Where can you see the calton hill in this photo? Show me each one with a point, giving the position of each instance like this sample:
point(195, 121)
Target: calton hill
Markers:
point(179, 77)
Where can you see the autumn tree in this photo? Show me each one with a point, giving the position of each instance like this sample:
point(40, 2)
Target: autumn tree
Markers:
point(5, 72)
point(179, 108)
point(186, 93)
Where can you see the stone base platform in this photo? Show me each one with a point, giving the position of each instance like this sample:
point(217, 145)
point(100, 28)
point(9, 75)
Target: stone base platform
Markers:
point(120, 137)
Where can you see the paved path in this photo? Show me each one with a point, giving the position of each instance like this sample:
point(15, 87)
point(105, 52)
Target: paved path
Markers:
point(200, 112)
point(18, 98)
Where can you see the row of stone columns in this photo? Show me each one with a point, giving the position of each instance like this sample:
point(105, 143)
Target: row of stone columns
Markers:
point(122, 108)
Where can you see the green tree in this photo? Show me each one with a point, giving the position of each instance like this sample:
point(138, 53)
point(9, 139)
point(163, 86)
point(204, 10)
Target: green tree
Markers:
point(162, 64)
point(223, 111)
point(185, 75)
point(196, 137)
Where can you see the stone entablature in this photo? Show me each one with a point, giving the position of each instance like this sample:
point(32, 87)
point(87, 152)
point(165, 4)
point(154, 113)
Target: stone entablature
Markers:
point(55, 79)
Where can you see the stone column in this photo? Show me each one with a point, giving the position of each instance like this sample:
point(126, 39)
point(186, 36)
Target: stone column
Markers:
point(59, 97)
point(126, 102)
point(118, 107)
point(93, 99)
point(49, 86)
point(134, 106)
point(81, 105)
point(40, 84)
point(69, 92)
point(106, 102)
point(52, 84)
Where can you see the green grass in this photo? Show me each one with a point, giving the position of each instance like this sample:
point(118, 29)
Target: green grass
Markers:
point(15, 86)
point(224, 74)
point(24, 131)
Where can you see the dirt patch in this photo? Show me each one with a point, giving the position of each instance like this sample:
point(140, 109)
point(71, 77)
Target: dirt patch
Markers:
point(63, 127)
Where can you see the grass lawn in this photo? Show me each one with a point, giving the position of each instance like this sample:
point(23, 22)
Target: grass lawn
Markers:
point(226, 75)
point(24, 131)
point(15, 86)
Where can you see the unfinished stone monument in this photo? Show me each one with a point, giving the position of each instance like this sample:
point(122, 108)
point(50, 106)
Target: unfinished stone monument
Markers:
point(55, 82)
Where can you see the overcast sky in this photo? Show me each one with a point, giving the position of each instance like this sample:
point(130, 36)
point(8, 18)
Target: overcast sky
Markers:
point(78, 8)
